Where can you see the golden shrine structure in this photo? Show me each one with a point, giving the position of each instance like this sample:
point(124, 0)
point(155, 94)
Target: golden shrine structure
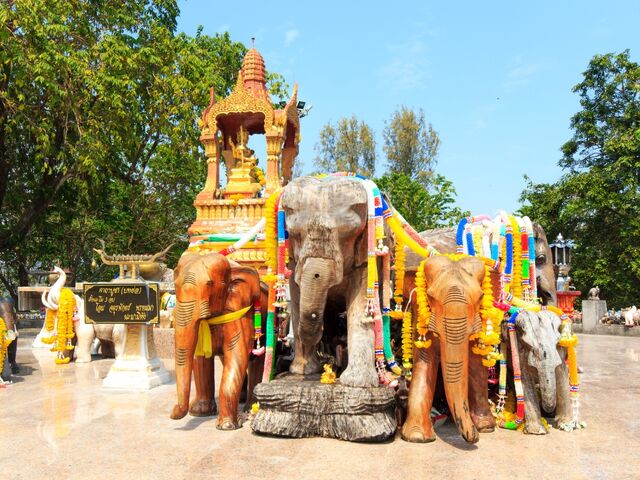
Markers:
point(224, 214)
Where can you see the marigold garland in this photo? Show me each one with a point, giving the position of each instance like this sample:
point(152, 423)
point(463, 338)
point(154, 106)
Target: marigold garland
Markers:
point(407, 343)
point(398, 282)
point(271, 235)
point(5, 341)
point(424, 312)
point(64, 326)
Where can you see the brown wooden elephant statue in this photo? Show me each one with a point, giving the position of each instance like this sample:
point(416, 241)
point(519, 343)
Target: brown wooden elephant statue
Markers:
point(211, 288)
point(454, 291)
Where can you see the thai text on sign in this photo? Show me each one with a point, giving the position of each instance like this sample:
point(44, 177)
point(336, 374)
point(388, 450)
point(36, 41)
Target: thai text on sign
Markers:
point(121, 303)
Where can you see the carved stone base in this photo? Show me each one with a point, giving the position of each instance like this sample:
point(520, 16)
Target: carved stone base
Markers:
point(293, 407)
point(138, 368)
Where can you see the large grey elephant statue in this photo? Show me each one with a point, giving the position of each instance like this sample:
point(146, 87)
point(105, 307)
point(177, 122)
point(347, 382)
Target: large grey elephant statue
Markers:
point(326, 220)
point(545, 377)
point(111, 336)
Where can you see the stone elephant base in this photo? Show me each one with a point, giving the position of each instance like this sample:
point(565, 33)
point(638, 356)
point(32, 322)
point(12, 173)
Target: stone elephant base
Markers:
point(294, 407)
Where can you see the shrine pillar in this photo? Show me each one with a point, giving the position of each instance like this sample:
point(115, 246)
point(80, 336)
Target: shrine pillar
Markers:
point(275, 140)
point(211, 149)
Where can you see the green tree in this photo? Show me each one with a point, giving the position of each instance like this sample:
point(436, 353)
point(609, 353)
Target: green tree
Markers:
point(422, 208)
point(349, 145)
point(98, 128)
point(597, 200)
point(410, 144)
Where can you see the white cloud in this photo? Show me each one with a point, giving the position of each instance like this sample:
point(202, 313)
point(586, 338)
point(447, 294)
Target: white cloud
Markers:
point(290, 36)
point(521, 74)
point(407, 66)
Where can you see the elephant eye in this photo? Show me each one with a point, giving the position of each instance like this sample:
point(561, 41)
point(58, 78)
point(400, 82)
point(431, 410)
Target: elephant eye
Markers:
point(541, 259)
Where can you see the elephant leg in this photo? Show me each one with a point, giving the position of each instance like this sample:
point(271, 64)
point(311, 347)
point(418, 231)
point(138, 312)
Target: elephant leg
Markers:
point(360, 371)
point(186, 333)
point(418, 427)
point(532, 416)
point(237, 337)
point(85, 335)
point(479, 394)
point(204, 405)
point(564, 412)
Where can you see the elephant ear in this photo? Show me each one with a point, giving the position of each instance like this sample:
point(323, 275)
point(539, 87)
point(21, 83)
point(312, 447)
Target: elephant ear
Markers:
point(361, 247)
point(243, 288)
point(524, 323)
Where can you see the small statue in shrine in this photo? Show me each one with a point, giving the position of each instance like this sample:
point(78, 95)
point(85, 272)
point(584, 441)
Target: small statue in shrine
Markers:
point(243, 181)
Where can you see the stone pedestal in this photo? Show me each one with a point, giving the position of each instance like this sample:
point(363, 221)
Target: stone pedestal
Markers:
point(294, 407)
point(138, 368)
point(592, 312)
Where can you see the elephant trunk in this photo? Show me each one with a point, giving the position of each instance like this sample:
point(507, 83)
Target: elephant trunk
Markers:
point(545, 364)
point(454, 358)
point(318, 275)
point(53, 297)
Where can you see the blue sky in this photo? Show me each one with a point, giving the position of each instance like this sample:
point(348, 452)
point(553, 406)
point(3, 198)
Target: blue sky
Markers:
point(494, 78)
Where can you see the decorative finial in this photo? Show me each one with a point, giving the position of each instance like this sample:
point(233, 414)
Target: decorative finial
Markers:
point(253, 39)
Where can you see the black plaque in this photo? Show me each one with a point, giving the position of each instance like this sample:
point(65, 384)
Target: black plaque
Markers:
point(121, 302)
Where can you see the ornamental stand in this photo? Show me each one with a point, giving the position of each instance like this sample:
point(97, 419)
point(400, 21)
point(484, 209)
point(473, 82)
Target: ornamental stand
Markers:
point(566, 300)
point(138, 367)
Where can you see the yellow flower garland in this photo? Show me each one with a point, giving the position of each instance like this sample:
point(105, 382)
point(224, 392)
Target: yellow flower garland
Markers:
point(398, 282)
point(424, 312)
point(4, 342)
point(491, 320)
point(271, 237)
point(407, 341)
point(64, 327)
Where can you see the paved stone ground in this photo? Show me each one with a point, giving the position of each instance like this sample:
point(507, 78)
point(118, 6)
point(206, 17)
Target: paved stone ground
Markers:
point(57, 422)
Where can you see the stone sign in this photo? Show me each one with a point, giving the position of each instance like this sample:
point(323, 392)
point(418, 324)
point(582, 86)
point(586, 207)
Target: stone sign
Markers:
point(110, 302)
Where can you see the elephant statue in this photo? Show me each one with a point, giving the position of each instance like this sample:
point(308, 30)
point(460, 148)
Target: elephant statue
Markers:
point(210, 288)
point(326, 220)
point(454, 291)
point(111, 336)
point(8, 313)
point(542, 364)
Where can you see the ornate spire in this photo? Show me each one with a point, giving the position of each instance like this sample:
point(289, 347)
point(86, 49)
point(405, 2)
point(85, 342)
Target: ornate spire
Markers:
point(253, 73)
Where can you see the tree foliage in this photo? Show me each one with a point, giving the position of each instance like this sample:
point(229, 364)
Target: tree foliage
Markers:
point(410, 144)
point(99, 104)
point(597, 200)
point(349, 146)
point(423, 208)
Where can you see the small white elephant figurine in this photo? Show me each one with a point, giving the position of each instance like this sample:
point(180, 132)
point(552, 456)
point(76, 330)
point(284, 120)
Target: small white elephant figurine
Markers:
point(86, 333)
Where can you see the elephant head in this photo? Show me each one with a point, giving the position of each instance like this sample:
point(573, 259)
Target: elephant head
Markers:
point(538, 334)
point(326, 221)
point(454, 291)
point(545, 276)
point(51, 299)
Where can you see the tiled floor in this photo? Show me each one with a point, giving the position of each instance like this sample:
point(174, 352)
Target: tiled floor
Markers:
point(57, 422)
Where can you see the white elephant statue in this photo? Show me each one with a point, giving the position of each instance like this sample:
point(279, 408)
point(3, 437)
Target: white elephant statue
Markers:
point(86, 333)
